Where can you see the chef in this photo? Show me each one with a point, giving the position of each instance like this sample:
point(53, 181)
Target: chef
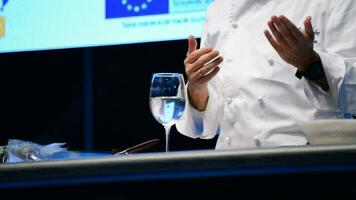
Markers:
point(264, 65)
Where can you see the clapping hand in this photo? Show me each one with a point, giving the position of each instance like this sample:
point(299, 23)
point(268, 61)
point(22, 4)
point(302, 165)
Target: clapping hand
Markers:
point(201, 65)
point(198, 67)
point(293, 45)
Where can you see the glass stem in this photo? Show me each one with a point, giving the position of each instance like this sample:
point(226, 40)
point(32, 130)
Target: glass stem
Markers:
point(168, 130)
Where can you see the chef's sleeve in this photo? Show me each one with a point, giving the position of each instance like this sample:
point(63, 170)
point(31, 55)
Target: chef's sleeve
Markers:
point(338, 57)
point(197, 124)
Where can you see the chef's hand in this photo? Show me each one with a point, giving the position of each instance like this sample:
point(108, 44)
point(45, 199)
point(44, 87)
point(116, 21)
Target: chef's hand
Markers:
point(293, 45)
point(199, 72)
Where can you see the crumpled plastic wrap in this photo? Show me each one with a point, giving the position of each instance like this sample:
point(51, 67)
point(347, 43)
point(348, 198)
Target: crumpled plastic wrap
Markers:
point(25, 151)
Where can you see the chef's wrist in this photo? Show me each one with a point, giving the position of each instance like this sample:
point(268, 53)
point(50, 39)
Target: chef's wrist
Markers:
point(312, 71)
point(305, 64)
point(198, 97)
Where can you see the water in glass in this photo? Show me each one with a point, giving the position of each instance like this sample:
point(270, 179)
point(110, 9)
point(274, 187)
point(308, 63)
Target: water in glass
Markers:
point(167, 99)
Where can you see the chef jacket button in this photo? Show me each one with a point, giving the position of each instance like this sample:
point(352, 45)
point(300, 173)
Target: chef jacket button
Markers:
point(257, 141)
point(270, 61)
point(260, 100)
point(235, 25)
point(228, 140)
point(228, 101)
point(229, 60)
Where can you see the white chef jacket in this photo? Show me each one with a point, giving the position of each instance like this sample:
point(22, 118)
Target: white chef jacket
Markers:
point(255, 99)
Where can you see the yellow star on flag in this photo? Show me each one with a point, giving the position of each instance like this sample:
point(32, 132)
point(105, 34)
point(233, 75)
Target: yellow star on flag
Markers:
point(2, 26)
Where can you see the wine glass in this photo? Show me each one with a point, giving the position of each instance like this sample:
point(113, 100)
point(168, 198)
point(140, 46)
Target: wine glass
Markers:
point(167, 99)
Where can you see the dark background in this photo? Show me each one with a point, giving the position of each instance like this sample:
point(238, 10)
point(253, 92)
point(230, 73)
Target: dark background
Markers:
point(45, 96)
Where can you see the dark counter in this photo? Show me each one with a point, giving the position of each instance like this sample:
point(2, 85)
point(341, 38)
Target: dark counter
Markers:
point(204, 173)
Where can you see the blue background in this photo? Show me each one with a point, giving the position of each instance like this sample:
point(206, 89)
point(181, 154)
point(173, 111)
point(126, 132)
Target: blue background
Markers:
point(57, 24)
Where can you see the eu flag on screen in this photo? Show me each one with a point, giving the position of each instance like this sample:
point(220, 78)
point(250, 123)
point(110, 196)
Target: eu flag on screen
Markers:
point(129, 8)
point(4, 2)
